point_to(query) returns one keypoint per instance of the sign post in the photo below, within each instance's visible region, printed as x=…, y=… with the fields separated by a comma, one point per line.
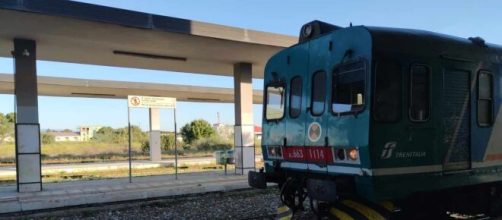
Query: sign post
x=135, y=101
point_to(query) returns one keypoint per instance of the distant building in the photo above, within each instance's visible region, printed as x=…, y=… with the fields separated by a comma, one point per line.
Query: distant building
x=228, y=130
x=60, y=136
x=225, y=131
x=88, y=132
x=257, y=132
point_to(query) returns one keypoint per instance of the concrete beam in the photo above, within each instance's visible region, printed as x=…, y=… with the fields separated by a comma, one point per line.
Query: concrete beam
x=244, y=126
x=29, y=178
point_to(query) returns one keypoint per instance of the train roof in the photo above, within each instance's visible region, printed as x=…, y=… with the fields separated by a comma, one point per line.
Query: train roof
x=441, y=43
x=402, y=40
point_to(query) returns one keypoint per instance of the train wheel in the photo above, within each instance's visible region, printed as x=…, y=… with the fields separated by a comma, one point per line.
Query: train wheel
x=293, y=194
x=320, y=209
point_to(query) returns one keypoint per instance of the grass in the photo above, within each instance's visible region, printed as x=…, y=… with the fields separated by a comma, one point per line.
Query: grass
x=88, y=152
x=121, y=173
x=83, y=152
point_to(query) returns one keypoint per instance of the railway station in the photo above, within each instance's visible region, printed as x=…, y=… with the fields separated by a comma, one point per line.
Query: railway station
x=390, y=118
x=82, y=33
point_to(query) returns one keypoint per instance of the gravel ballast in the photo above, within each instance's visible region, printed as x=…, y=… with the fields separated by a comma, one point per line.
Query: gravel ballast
x=244, y=204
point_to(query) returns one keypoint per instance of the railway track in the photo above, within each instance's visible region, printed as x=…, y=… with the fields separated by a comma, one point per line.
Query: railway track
x=249, y=204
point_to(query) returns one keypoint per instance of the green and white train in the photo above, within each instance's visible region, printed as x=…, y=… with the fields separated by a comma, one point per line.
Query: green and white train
x=384, y=123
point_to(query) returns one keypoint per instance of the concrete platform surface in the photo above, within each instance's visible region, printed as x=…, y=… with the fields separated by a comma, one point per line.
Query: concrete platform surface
x=57, y=195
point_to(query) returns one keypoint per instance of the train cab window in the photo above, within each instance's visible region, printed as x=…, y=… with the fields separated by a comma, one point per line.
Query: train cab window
x=348, y=87
x=295, y=97
x=419, y=109
x=387, y=98
x=485, y=98
x=318, y=93
x=275, y=102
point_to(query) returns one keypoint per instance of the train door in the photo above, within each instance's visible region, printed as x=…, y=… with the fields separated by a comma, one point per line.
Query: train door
x=318, y=110
x=295, y=126
x=275, y=107
x=455, y=115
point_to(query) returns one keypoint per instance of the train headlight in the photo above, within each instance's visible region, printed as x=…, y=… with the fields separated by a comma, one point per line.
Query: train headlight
x=353, y=153
x=274, y=152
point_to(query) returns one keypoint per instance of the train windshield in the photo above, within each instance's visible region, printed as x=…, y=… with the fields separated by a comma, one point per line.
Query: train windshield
x=275, y=102
x=348, y=87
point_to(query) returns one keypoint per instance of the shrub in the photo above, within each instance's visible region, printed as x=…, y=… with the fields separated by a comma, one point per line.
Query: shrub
x=212, y=143
x=48, y=138
x=196, y=130
x=145, y=147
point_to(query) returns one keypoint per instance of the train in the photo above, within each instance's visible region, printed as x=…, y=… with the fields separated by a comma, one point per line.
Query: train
x=384, y=123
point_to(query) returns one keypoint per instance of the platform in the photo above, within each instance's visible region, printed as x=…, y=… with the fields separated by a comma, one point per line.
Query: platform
x=67, y=194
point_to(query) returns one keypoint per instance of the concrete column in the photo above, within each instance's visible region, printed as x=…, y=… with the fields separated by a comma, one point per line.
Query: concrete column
x=29, y=178
x=244, y=126
x=155, y=152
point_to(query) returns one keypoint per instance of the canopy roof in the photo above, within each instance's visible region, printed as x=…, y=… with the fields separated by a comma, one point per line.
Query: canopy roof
x=76, y=32
x=71, y=87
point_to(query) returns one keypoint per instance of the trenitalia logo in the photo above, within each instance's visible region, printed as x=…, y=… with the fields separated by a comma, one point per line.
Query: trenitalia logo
x=388, y=149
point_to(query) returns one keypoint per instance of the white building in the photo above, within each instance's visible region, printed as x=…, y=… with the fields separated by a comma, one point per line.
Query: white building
x=88, y=132
x=60, y=136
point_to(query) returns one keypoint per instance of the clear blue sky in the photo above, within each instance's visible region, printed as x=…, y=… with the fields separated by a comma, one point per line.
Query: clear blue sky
x=460, y=18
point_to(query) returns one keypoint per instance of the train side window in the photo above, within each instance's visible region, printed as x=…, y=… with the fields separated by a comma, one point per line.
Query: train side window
x=295, y=97
x=349, y=82
x=388, y=92
x=318, y=93
x=419, y=108
x=485, y=99
x=275, y=102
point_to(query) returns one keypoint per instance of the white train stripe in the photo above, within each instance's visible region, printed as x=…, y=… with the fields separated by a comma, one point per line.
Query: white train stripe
x=362, y=171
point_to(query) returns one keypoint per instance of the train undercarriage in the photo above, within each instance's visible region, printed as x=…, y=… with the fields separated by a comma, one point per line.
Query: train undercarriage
x=336, y=198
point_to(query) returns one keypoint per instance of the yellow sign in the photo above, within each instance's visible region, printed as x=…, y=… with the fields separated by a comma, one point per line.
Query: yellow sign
x=136, y=101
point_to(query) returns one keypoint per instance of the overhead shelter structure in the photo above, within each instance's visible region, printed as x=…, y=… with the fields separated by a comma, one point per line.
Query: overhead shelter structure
x=109, y=89
x=68, y=31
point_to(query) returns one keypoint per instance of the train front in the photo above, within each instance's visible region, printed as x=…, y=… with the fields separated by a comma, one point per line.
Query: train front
x=316, y=116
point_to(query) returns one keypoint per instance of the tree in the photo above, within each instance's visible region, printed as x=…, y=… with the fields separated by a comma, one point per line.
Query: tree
x=167, y=141
x=105, y=135
x=195, y=130
x=120, y=135
x=6, y=125
x=11, y=117
x=48, y=138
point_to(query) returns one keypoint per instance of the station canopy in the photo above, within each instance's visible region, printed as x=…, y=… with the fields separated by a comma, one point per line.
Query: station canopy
x=67, y=31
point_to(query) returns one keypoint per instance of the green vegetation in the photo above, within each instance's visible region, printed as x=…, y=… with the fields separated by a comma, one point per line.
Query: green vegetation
x=48, y=138
x=196, y=130
x=111, y=144
x=7, y=126
x=120, y=135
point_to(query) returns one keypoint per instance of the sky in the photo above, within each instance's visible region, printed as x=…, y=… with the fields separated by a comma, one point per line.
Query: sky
x=460, y=18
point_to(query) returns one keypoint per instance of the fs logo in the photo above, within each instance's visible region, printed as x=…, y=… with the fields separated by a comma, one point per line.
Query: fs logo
x=388, y=149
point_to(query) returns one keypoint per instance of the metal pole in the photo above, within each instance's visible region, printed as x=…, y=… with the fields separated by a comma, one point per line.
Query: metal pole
x=175, y=147
x=129, y=129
